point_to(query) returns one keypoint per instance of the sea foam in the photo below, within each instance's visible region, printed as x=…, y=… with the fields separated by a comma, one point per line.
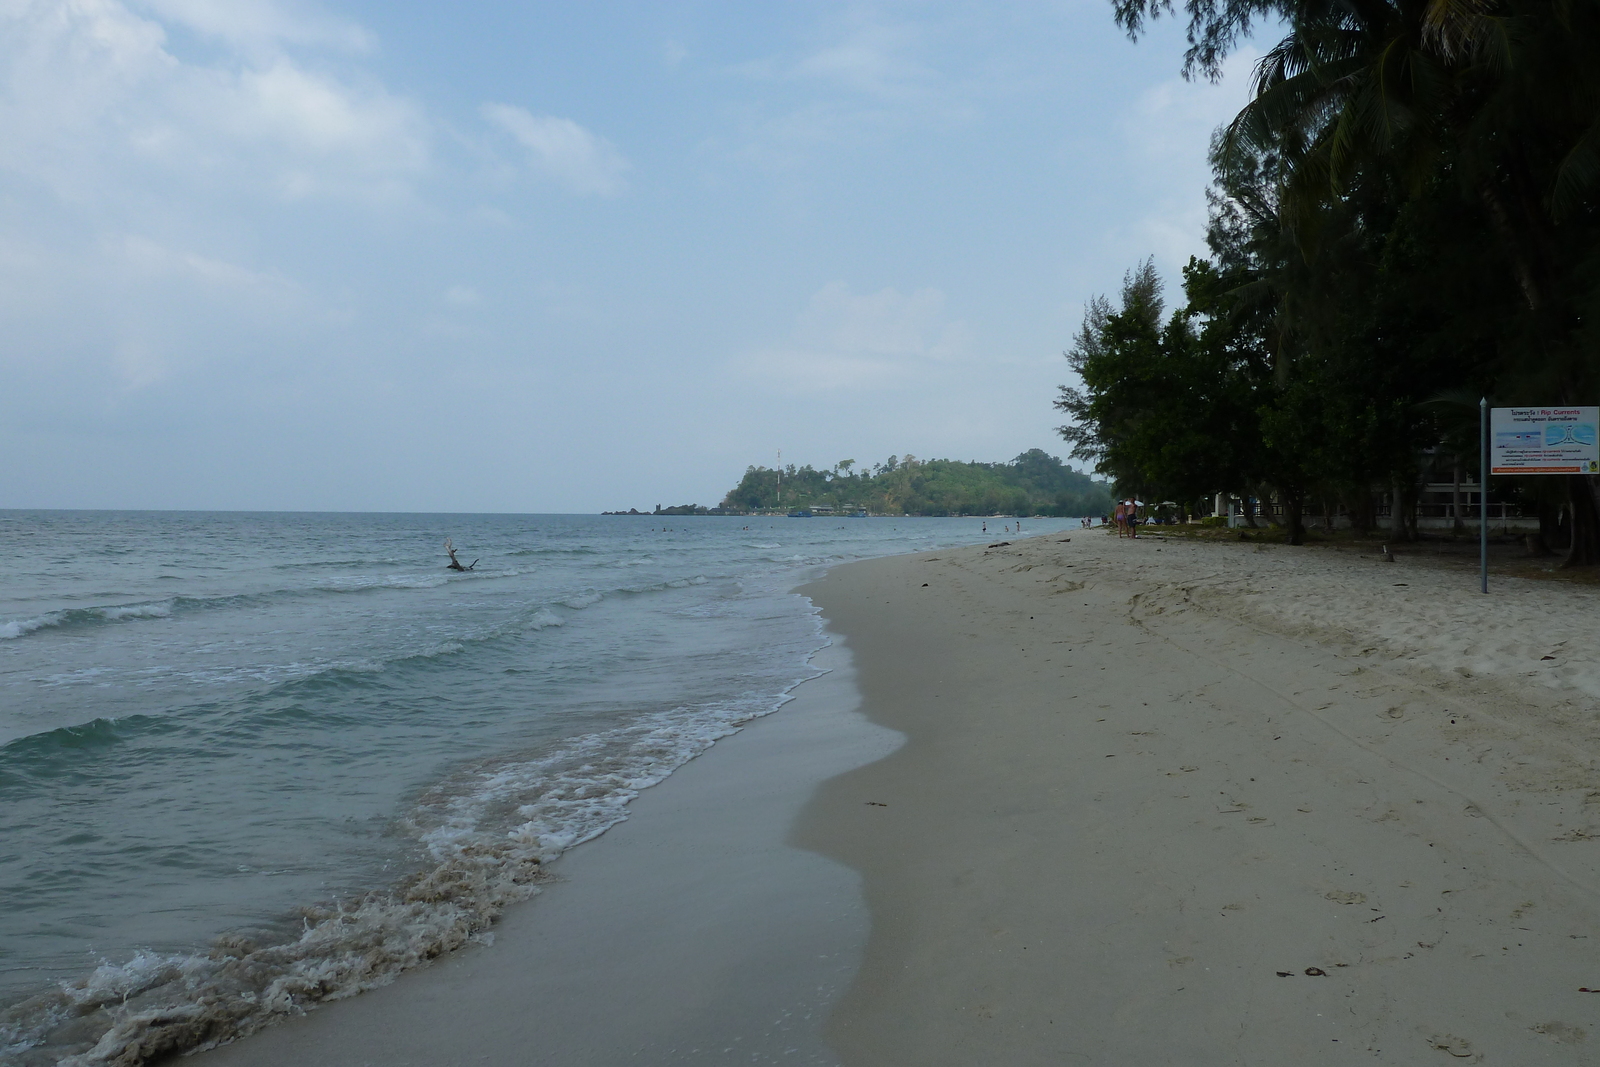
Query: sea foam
x=486, y=834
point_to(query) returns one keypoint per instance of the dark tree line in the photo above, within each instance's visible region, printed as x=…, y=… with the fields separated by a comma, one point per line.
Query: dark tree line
x=1406, y=216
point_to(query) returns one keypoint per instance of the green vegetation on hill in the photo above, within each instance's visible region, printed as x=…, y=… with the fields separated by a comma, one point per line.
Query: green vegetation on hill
x=1032, y=484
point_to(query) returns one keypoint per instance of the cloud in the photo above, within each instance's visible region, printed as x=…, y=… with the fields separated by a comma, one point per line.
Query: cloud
x=128, y=311
x=866, y=58
x=92, y=101
x=872, y=59
x=319, y=120
x=151, y=259
x=865, y=81
x=882, y=323
x=560, y=148
x=158, y=296
x=262, y=23
x=842, y=340
x=1172, y=122
x=1168, y=135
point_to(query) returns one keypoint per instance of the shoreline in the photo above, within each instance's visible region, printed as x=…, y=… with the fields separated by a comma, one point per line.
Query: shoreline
x=1156, y=802
x=709, y=659
x=691, y=932
x=1164, y=804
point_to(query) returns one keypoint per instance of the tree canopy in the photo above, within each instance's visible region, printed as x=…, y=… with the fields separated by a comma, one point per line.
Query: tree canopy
x=1405, y=216
x=1033, y=483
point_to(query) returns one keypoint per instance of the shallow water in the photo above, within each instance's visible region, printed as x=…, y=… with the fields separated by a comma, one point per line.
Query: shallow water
x=302, y=732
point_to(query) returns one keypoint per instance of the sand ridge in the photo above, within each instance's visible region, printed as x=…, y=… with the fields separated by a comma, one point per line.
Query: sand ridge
x=1208, y=804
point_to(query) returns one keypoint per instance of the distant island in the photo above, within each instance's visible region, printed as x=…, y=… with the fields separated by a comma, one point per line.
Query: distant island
x=1035, y=483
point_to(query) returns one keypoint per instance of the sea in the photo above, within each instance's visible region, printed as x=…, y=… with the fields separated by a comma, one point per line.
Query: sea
x=253, y=761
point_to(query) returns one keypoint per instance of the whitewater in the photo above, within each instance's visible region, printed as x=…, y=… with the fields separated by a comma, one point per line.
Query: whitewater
x=251, y=762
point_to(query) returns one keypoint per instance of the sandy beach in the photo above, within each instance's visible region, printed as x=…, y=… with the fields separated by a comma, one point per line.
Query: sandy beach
x=1217, y=804
x=1157, y=802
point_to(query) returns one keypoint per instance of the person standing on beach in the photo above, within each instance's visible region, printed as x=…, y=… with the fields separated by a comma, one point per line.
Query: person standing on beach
x=1133, y=518
x=1121, y=518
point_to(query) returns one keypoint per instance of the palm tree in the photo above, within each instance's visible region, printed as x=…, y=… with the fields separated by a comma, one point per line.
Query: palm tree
x=1488, y=110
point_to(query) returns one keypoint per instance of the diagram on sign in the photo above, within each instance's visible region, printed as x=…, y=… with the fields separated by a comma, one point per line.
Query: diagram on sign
x=1553, y=440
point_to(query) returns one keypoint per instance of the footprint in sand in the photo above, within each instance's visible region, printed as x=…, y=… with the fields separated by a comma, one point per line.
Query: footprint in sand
x=1459, y=1047
x=1339, y=896
x=1562, y=1032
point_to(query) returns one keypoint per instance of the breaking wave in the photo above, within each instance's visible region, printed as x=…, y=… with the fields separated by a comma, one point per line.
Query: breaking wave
x=481, y=839
x=163, y=609
x=80, y=616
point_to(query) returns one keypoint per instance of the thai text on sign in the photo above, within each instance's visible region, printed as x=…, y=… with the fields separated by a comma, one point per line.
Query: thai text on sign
x=1537, y=440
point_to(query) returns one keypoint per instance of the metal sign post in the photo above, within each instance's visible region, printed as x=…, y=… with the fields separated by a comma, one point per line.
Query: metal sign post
x=1483, y=494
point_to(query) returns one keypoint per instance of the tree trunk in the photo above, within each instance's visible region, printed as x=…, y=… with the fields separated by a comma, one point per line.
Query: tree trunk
x=1399, y=528
x=1456, y=525
x=1361, y=512
x=1292, y=501
x=1550, y=523
x=1500, y=220
x=1585, y=548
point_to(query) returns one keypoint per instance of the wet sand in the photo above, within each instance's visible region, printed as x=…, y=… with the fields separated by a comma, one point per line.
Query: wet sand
x=692, y=933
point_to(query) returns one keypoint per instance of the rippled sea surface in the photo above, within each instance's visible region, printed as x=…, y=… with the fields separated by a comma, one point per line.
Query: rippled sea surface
x=251, y=761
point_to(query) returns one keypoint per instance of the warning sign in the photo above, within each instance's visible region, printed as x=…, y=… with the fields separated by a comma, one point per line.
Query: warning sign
x=1544, y=440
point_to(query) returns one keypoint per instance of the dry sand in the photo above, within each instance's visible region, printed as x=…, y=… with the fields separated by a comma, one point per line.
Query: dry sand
x=1165, y=803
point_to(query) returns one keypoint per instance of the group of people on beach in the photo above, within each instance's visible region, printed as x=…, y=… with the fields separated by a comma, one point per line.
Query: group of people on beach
x=1127, y=518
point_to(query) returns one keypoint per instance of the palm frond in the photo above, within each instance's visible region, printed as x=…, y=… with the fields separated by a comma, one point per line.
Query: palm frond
x=1577, y=174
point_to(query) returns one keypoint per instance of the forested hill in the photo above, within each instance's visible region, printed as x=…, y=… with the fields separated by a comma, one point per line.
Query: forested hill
x=1032, y=484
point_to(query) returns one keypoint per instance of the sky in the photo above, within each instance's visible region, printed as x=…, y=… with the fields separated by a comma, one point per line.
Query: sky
x=560, y=257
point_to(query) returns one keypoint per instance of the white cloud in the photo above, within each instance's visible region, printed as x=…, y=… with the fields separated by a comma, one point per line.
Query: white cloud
x=883, y=323
x=868, y=80
x=128, y=310
x=844, y=340
x=562, y=149
x=156, y=294
x=319, y=119
x=91, y=99
x=1168, y=135
x=150, y=259
x=872, y=59
x=1173, y=121
x=262, y=23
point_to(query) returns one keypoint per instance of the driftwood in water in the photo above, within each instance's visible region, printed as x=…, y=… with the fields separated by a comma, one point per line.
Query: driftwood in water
x=455, y=564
